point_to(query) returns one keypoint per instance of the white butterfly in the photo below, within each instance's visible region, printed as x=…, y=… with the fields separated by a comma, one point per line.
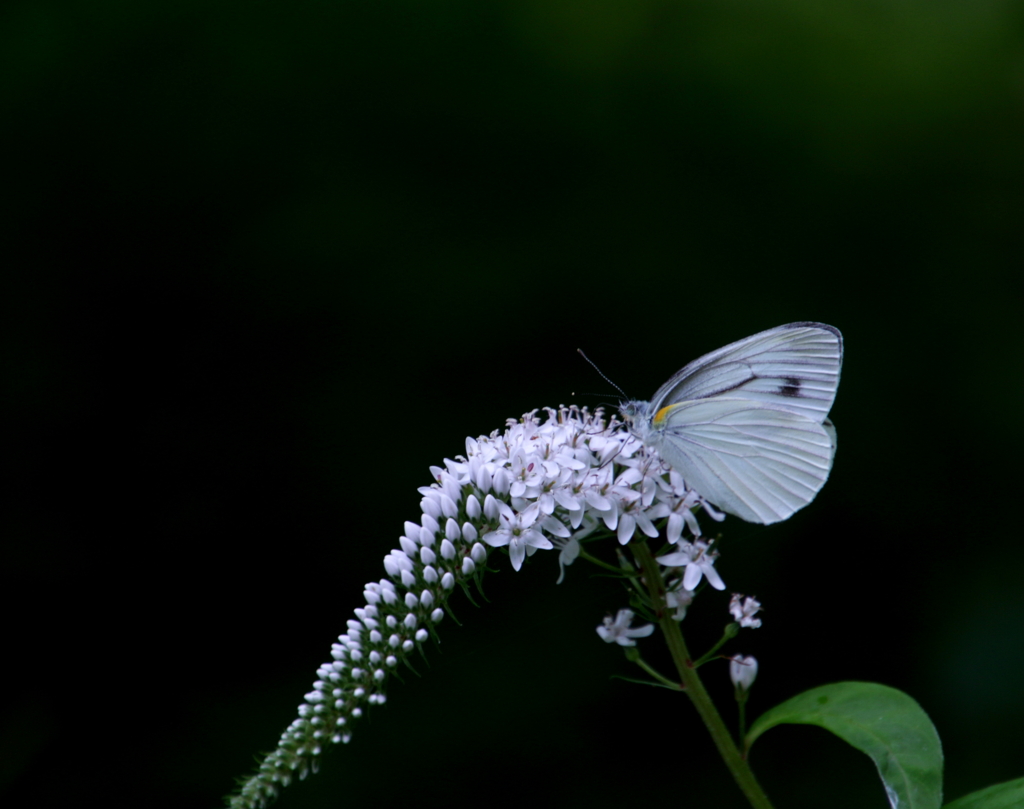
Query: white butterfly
x=746, y=425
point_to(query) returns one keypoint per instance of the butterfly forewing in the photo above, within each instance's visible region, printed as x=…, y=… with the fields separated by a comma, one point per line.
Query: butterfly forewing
x=793, y=367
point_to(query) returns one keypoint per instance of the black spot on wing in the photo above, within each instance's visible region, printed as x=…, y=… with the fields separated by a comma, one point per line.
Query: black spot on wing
x=790, y=387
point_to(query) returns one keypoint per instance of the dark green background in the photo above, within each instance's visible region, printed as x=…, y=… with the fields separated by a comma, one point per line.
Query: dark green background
x=267, y=262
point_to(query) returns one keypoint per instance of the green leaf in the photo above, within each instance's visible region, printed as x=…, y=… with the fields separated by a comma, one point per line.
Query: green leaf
x=1008, y=795
x=882, y=722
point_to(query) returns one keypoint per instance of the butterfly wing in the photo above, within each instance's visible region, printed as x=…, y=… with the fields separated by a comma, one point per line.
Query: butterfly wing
x=793, y=367
x=747, y=457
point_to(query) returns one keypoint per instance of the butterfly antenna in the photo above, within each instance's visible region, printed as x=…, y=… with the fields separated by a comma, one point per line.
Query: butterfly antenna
x=606, y=379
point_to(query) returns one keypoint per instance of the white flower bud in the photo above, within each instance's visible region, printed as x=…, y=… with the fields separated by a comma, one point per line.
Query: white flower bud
x=430, y=507
x=447, y=581
x=448, y=507
x=427, y=556
x=411, y=601
x=451, y=531
x=479, y=553
x=379, y=675
x=483, y=482
x=447, y=550
x=437, y=615
x=469, y=532
x=467, y=566
x=391, y=660
x=408, y=645
x=742, y=671
x=408, y=579
x=422, y=635
x=502, y=481
x=451, y=489
x=411, y=620
x=473, y=508
x=408, y=545
x=426, y=598
x=375, y=636
x=491, y=511
x=393, y=641
x=430, y=575
x=430, y=523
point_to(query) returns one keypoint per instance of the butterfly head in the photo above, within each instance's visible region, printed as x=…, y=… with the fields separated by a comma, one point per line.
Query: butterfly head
x=637, y=416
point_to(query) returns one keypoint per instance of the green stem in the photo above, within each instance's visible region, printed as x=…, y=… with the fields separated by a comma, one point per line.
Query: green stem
x=600, y=562
x=729, y=634
x=734, y=760
x=742, y=705
x=657, y=675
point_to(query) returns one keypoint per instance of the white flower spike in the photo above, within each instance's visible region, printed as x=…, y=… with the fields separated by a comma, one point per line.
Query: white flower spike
x=548, y=480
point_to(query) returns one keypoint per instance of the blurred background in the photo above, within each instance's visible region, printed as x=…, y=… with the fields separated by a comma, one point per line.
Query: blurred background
x=266, y=263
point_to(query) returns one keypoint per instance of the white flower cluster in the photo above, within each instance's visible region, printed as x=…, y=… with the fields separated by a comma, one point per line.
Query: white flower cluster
x=544, y=481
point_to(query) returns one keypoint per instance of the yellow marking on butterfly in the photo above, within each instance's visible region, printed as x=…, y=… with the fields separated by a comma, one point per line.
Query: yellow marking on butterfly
x=663, y=414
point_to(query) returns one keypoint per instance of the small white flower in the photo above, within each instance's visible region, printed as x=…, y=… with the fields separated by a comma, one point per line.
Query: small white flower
x=678, y=598
x=618, y=630
x=570, y=550
x=698, y=560
x=742, y=671
x=517, y=532
x=744, y=610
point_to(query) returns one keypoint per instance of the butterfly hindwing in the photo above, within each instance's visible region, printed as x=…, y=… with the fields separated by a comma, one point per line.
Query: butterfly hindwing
x=750, y=459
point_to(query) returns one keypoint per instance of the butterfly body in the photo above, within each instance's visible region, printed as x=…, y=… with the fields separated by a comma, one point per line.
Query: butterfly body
x=746, y=425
